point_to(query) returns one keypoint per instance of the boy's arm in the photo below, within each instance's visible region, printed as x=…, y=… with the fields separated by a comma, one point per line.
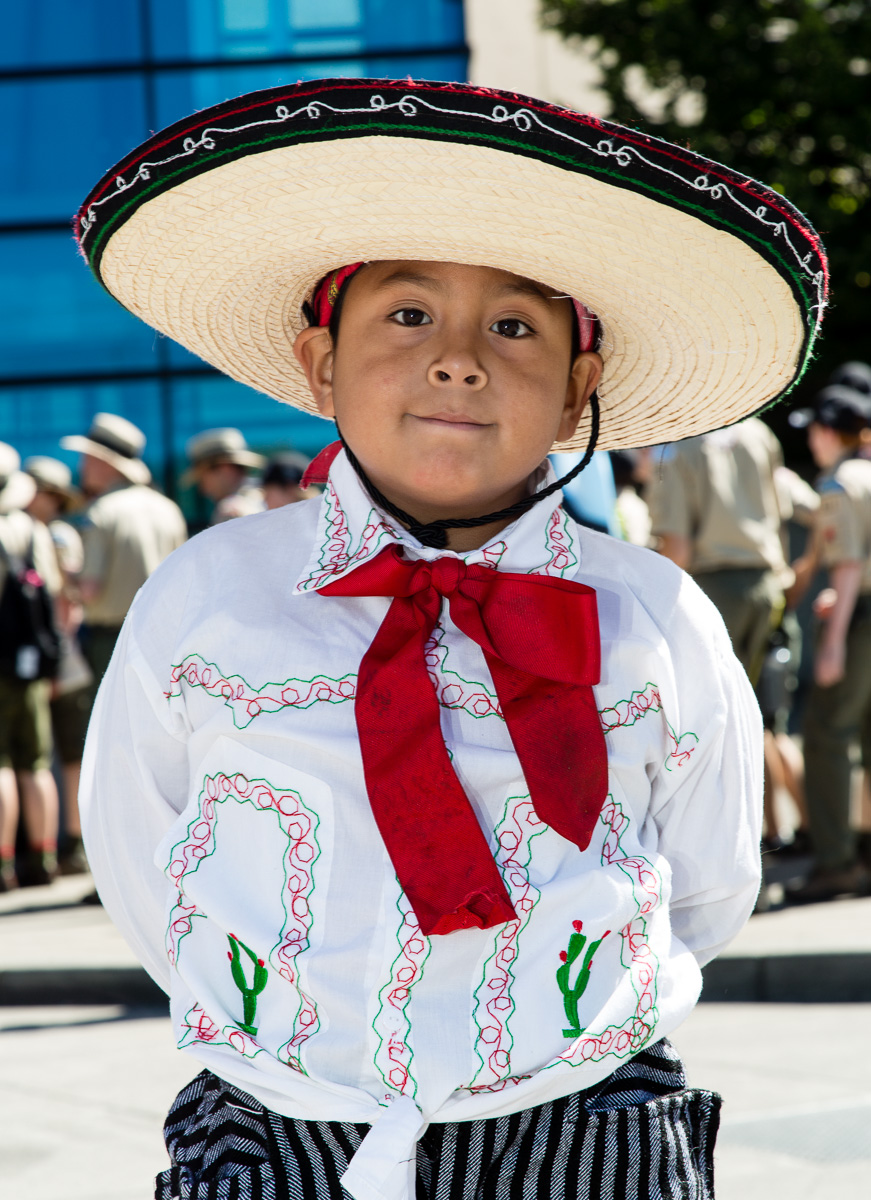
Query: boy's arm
x=134, y=785
x=842, y=551
x=845, y=579
x=707, y=797
x=676, y=547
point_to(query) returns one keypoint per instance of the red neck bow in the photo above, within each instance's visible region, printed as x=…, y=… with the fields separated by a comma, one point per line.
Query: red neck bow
x=540, y=638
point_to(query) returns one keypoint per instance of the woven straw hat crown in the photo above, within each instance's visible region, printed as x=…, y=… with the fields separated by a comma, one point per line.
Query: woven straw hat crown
x=221, y=445
x=709, y=286
x=116, y=441
x=50, y=474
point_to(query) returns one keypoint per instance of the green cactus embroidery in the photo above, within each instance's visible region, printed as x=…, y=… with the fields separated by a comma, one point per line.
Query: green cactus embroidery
x=572, y=995
x=249, y=994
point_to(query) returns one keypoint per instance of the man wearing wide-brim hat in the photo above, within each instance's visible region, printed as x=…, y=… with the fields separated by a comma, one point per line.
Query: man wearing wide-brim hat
x=25, y=723
x=127, y=531
x=219, y=464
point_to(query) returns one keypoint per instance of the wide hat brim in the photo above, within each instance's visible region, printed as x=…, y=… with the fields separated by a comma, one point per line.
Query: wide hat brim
x=17, y=492
x=133, y=469
x=709, y=287
x=237, y=458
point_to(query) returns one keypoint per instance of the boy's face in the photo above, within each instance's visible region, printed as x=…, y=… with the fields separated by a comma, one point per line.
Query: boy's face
x=449, y=382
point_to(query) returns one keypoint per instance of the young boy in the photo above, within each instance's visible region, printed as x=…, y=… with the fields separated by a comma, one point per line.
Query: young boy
x=424, y=804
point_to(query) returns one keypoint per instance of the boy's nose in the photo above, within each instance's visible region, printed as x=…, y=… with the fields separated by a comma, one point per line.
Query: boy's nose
x=461, y=369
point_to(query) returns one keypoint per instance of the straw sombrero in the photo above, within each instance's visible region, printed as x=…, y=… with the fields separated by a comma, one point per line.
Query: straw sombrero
x=709, y=286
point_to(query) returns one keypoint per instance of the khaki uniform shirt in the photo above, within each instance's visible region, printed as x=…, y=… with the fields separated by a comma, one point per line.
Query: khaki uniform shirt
x=16, y=531
x=243, y=503
x=68, y=547
x=719, y=491
x=843, y=524
x=127, y=533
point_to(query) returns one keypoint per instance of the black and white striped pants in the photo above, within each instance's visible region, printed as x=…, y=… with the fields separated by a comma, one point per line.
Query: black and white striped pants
x=640, y=1134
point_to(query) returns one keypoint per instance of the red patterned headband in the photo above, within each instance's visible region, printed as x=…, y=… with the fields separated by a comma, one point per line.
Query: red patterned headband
x=327, y=293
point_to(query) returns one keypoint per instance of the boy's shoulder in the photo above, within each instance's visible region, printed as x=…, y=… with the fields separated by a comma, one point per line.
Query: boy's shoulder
x=243, y=553
x=627, y=563
x=638, y=581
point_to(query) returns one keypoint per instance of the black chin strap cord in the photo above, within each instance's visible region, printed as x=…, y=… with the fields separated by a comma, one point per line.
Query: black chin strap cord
x=434, y=533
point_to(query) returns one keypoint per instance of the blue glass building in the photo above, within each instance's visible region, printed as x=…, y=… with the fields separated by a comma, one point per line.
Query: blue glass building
x=82, y=83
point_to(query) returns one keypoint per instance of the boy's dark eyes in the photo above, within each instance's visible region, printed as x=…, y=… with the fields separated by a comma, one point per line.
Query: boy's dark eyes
x=411, y=316
x=511, y=327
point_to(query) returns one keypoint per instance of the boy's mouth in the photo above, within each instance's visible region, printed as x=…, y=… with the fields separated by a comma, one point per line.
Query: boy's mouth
x=453, y=420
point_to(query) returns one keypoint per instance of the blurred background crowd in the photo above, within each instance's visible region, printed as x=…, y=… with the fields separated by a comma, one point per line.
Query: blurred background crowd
x=116, y=444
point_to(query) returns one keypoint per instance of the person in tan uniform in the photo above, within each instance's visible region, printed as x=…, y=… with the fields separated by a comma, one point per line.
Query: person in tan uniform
x=26, y=781
x=840, y=699
x=282, y=479
x=128, y=529
x=715, y=511
x=220, y=461
x=70, y=691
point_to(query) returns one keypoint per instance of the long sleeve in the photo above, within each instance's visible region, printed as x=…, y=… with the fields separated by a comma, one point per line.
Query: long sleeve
x=134, y=784
x=707, y=800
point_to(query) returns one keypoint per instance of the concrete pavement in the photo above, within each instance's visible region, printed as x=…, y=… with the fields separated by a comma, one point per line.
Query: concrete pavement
x=88, y=1066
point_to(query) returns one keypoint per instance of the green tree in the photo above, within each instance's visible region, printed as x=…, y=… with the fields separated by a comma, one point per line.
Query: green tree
x=777, y=89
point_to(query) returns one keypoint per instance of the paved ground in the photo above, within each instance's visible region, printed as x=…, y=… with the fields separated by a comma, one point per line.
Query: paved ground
x=83, y=1089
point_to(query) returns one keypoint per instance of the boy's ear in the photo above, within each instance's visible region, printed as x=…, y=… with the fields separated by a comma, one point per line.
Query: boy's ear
x=583, y=380
x=313, y=350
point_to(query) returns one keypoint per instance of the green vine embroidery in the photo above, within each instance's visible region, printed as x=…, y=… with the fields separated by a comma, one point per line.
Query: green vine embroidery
x=249, y=994
x=572, y=995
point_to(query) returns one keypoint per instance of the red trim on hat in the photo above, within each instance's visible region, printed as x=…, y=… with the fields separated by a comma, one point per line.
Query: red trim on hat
x=525, y=102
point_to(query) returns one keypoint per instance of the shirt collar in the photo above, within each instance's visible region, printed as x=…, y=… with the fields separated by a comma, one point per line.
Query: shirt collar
x=351, y=529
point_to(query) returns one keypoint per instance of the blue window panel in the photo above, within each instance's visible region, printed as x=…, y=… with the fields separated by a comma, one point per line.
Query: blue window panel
x=178, y=94
x=69, y=32
x=418, y=24
x=210, y=402
x=56, y=319
x=440, y=67
x=34, y=419
x=176, y=357
x=60, y=136
x=208, y=29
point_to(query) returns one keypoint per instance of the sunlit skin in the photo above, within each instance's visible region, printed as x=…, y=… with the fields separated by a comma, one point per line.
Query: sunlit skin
x=45, y=506
x=277, y=495
x=827, y=446
x=450, y=383
x=97, y=476
x=217, y=481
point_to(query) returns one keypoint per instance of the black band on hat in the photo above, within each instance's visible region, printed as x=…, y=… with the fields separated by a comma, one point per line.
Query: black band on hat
x=546, y=193
x=101, y=438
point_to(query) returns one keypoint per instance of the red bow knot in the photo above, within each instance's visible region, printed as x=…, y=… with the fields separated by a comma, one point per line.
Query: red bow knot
x=540, y=639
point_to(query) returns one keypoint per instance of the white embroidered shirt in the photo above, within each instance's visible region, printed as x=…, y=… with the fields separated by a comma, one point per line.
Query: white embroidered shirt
x=229, y=830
